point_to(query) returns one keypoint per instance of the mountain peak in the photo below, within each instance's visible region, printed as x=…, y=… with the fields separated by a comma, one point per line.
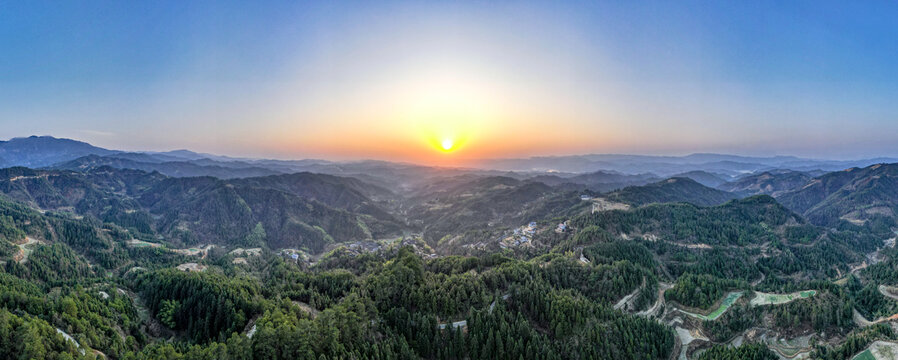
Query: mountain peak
x=42, y=151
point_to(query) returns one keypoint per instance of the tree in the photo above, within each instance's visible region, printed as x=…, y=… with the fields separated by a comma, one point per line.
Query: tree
x=167, y=313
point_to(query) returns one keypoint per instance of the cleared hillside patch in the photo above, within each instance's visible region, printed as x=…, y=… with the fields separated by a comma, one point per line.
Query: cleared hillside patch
x=777, y=299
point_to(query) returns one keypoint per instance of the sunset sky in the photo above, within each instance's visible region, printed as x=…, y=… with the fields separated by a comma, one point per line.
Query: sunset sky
x=397, y=80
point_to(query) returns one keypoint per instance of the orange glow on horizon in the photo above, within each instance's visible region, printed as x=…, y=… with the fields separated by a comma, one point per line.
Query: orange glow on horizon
x=510, y=142
x=442, y=116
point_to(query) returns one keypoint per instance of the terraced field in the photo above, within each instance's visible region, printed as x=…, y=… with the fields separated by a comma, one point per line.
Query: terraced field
x=797, y=348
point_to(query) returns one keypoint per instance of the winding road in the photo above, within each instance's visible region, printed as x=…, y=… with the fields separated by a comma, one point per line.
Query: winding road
x=25, y=250
x=653, y=311
x=627, y=299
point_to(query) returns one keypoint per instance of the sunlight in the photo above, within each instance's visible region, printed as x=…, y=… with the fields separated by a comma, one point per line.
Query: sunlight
x=447, y=144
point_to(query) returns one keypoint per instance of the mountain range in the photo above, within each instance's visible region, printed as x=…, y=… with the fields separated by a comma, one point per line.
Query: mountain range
x=186, y=248
x=321, y=202
x=617, y=170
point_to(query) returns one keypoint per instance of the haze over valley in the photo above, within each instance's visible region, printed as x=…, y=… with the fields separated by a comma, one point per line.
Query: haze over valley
x=511, y=180
x=658, y=241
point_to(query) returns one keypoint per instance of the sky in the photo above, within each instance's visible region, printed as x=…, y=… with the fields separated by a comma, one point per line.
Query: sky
x=401, y=80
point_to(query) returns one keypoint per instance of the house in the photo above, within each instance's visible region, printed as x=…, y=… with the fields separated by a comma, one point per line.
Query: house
x=561, y=227
x=585, y=197
x=533, y=224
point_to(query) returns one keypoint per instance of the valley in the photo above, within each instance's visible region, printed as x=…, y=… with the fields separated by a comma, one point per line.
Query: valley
x=448, y=180
x=441, y=263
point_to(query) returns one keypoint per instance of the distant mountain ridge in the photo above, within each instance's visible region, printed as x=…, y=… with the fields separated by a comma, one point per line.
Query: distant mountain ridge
x=178, y=168
x=41, y=151
x=772, y=183
x=855, y=195
x=705, y=178
x=665, y=166
x=191, y=199
x=677, y=189
x=599, y=181
x=597, y=172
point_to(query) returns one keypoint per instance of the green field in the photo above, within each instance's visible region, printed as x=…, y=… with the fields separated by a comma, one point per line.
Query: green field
x=141, y=243
x=727, y=302
x=878, y=350
x=866, y=355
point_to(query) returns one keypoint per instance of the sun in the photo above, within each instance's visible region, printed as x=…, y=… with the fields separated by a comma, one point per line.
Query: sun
x=447, y=144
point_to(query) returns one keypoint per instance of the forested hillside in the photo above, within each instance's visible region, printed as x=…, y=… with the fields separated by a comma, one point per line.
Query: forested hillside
x=678, y=189
x=464, y=204
x=856, y=195
x=206, y=210
x=107, y=263
x=773, y=183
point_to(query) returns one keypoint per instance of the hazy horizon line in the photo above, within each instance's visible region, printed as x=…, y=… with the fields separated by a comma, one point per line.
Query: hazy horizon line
x=463, y=162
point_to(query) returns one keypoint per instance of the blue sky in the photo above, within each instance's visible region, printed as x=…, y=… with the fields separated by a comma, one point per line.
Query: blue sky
x=365, y=79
